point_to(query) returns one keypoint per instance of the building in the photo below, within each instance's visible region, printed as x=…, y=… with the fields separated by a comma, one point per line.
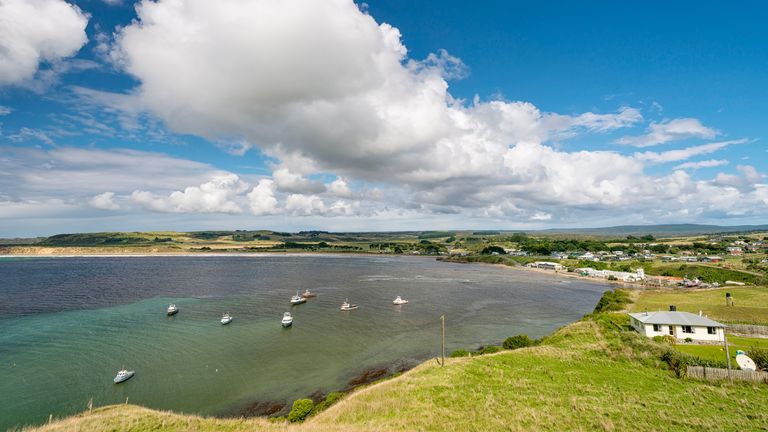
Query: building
x=735, y=251
x=618, y=275
x=547, y=265
x=680, y=325
x=711, y=259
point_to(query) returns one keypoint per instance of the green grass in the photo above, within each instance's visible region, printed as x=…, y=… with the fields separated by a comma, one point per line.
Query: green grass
x=750, y=303
x=590, y=375
x=717, y=352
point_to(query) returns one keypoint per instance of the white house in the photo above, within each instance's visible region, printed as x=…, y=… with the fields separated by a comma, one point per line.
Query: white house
x=681, y=325
x=622, y=276
x=546, y=265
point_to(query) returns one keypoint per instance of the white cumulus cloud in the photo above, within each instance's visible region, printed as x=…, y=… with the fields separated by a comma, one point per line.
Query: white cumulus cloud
x=214, y=196
x=262, y=198
x=104, y=201
x=35, y=31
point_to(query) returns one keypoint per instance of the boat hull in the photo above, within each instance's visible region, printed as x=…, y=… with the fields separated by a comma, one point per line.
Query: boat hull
x=171, y=313
x=287, y=324
x=119, y=380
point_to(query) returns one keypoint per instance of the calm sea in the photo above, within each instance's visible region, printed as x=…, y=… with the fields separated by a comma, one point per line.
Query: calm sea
x=68, y=324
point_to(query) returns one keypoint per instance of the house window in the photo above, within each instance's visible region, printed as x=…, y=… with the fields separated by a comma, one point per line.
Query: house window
x=687, y=329
x=671, y=330
x=656, y=327
x=711, y=330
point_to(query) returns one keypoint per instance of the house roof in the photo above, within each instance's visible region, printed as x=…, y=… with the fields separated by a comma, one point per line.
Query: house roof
x=675, y=318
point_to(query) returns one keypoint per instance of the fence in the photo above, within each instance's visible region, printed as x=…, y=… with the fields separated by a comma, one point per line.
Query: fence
x=717, y=374
x=748, y=330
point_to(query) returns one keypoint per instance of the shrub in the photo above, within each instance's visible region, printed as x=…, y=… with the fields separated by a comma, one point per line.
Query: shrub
x=489, y=350
x=460, y=353
x=666, y=339
x=612, y=301
x=760, y=356
x=678, y=362
x=515, y=342
x=688, y=340
x=331, y=399
x=300, y=410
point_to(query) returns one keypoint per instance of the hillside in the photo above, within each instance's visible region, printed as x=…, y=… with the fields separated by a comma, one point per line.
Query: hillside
x=590, y=375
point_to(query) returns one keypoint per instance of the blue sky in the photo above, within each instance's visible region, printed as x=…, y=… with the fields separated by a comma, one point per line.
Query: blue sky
x=380, y=116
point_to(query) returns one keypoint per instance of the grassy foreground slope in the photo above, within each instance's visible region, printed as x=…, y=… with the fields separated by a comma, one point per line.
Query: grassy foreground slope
x=590, y=375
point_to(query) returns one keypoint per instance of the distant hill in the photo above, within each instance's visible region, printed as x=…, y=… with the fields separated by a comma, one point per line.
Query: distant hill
x=658, y=230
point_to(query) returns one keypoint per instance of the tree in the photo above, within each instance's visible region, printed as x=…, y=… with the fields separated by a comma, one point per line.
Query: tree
x=488, y=250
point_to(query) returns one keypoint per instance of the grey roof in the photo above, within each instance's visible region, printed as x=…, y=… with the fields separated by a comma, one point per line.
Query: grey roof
x=675, y=318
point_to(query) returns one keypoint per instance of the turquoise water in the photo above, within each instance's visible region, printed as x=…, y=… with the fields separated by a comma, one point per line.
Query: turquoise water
x=68, y=324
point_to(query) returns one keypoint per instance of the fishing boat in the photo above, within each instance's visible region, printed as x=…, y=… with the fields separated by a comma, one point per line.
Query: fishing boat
x=399, y=301
x=308, y=294
x=297, y=299
x=123, y=375
x=287, y=319
x=346, y=306
x=172, y=309
x=226, y=319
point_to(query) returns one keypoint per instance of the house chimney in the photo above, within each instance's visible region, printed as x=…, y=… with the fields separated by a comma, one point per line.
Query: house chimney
x=672, y=308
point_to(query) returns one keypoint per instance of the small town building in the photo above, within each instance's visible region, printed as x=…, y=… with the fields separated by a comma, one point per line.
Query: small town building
x=547, y=265
x=680, y=325
x=711, y=259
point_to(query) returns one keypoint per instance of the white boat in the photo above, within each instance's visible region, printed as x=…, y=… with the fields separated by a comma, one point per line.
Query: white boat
x=746, y=363
x=297, y=299
x=226, y=319
x=287, y=319
x=399, y=301
x=123, y=375
x=308, y=294
x=172, y=309
x=346, y=306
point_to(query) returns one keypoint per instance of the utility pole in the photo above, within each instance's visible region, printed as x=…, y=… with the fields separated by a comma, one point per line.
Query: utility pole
x=728, y=357
x=442, y=322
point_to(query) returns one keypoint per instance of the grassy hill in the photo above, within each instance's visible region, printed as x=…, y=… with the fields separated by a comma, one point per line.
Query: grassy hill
x=590, y=375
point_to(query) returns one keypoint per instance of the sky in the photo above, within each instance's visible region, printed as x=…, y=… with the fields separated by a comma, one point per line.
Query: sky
x=121, y=115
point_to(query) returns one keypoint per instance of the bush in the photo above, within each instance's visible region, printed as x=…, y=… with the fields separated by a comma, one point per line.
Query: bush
x=666, y=339
x=678, y=362
x=300, y=410
x=489, y=350
x=460, y=353
x=760, y=356
x=519, y=341
x=331, y=399
x=612, y=301
x=688, y=340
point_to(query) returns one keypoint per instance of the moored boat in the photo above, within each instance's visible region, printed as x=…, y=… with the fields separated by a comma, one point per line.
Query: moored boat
x=297, y=299
x=226, y=319
x=172, y=309
x=123, y=375
x=399, y=301
x=308, y=294
x=287, y=319
x=346, y=306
